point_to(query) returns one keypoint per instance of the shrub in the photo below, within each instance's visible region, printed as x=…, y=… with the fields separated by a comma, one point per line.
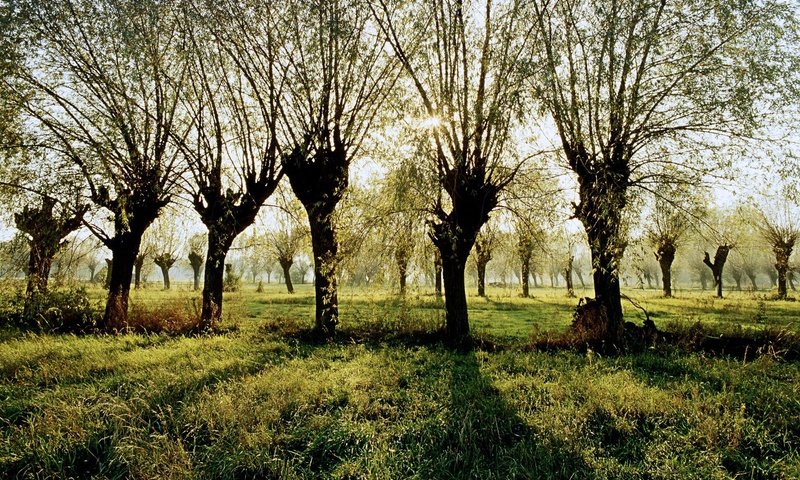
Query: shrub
x=174, y=317
x=231, y=283
x=68, y=311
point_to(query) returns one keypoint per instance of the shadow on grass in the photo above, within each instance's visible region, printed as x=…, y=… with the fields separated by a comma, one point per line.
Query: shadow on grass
x=482, y=436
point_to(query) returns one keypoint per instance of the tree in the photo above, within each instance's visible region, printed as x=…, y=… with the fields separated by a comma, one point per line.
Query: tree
x=626, y=82
x=781, y=234
x=140, y=266
x=485, y=244
x=46, y=231
x=105, y=77
x=286, y=244
x=718, y=265
x=340, y=76
x=289, y=238
x=234, y=156
x=673, y=211
x=525, y=246
x=461, y=58
x=197, y=245
x=401, y=202
x=166, y=238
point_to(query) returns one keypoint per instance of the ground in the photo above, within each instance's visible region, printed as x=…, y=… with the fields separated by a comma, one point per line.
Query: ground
x=259, y=401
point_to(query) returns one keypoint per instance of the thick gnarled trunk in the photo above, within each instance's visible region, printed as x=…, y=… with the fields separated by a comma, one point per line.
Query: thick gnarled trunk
x=39, y=263
x=214, y=277
x=123, y=258
x=457, y=318
x=454, y=235
x=602, y=200
x=607, y=291
x=325, y=248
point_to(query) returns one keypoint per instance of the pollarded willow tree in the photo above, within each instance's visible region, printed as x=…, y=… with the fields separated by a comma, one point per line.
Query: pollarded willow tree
x=104, y=78
x=47, y=230
x=781, y=235
x=485, y=243
x=462, y=58
x=196, y=257
x=627, y=81
x=289, y=239
x=339, y=76
x=167, y=239
x=234, y=103
x=674, y=211
x=401, y=205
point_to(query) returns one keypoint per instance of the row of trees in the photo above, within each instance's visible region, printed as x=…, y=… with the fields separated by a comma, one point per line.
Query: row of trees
x=139, y=104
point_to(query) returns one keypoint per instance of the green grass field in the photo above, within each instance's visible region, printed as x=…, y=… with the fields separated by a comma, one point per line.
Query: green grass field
x=257, y=402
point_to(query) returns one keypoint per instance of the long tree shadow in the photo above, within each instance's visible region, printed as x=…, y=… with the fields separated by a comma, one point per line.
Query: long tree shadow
x=483, y=436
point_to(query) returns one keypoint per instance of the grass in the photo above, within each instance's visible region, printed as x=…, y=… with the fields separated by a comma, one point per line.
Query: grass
x=257, y=402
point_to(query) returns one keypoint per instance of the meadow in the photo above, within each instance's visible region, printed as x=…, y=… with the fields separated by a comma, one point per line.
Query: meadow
x=387, y=400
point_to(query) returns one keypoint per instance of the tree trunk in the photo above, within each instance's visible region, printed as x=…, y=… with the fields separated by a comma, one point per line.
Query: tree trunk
x=481, y=266
x=526, y=272
x=568, y=277
x=716, y=268
x=605, y=258
x=39, y=262
x=773, y=277
x=287, y=277
x=123, y=258
x=326, y=248
x=196, y=261
x=402, y=277
x=437, y=273
x=109, y=267
x=579, y=273
x=752, y=277
x=665, y=256
x=92, y=269
x=456, y=317
x=46, y=231
x=214, y=277
x=401, y=257
x=165, y=275
x=783, y=252
x=137, y=271
x=196, y=278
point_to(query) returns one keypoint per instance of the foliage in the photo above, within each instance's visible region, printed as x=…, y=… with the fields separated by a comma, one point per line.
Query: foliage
x=65, y=311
